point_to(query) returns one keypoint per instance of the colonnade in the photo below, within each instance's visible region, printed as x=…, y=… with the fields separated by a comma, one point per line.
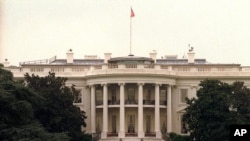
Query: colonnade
x=121, y=132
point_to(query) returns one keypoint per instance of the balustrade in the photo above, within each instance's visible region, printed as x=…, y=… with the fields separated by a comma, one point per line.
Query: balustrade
x=113, y=102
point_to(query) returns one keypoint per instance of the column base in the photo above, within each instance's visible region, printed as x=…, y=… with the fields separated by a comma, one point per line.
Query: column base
x=158, y=134
x=121, y=134
x=141, y=134
x=104, y=134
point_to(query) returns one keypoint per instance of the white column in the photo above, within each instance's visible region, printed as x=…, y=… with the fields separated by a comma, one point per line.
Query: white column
x=122, y=112
x=92, y=108
x=140, y=111
x=105, y=111
x=157, y=111
x=169, y=110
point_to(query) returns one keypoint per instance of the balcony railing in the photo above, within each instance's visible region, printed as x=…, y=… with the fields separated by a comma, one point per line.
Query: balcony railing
x=150, y=134
x=131, y=102
x=112, y=134
x=148, y=102
x=163, y=102
x=113, y=102
x=73, y=71
x=99, y=102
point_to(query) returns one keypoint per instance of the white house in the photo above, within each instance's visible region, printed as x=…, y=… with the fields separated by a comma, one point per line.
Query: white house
x=132, y=97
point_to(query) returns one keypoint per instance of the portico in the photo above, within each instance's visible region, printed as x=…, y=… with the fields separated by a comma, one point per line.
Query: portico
x=130, y=109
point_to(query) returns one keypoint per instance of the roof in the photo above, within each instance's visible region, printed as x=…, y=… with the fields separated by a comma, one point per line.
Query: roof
x=130, y=58
x=180, y=61
x=79, y=61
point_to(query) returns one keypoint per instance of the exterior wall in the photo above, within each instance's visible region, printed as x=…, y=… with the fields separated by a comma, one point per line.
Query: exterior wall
x=175, y=76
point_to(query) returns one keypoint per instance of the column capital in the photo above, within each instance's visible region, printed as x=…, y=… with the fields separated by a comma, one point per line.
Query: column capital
x=171, y=85
x=104, y=84
x=121, y=83
x=90, y=85
x=157, y=84
x=140, y=83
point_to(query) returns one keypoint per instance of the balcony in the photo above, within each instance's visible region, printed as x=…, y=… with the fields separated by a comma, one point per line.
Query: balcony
x=132, y=102
x=99, y=102
x=115, y=134
x=113, y=102
x=148, y=102
x=163, y=102
x=150, y=134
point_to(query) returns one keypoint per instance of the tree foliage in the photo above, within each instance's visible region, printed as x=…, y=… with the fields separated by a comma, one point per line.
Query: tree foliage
x=41, y=109
x=217, y=106
x=17, y=107
x=57, y=113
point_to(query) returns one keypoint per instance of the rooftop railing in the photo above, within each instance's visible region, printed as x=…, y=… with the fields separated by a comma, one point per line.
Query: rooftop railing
x=66, y=71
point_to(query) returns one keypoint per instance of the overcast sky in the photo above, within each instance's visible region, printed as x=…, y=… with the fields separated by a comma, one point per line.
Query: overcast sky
x=219, y=30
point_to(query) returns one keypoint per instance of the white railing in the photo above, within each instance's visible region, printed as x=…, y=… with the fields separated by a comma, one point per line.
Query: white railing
x=69, y=71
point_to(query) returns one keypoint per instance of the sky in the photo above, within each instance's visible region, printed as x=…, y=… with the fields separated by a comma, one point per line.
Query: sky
x=219, y=30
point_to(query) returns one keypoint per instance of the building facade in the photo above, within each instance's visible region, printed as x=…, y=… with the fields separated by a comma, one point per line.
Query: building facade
x=134, y=98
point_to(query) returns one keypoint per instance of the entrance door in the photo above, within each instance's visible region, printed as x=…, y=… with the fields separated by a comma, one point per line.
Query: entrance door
x=113, y=124
x=131, y=124
x=147, y=124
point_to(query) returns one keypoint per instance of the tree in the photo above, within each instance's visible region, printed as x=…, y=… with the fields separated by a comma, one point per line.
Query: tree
x=17, y=106
x=217, y=106
x=206, y=116
x=240, y=105
x=57, y=113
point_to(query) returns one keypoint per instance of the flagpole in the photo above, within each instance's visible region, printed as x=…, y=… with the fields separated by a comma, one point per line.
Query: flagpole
x=130, y=53
x=130, y=36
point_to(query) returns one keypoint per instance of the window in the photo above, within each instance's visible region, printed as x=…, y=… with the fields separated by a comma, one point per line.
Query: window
x=183, y=126
x=163, y=99
x=148, y=97
x=77, y=96
x=113, y=93
x=183, y=95
x=99, y=100
x=131, y=96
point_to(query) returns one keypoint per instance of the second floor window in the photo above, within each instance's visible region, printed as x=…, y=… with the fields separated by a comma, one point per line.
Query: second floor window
x=183, y=95
x=99, y=97
x=131, y=94
x=113, y=93
x=77, y=96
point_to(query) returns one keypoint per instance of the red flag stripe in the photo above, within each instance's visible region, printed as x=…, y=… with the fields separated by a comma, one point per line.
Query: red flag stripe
x=132, y=14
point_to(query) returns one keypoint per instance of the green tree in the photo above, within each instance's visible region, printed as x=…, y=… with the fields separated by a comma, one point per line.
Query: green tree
x=175, y=137
x=57, y=113
x=207, y=115
x=240, y=105
x=17, y=107
x=217, y=106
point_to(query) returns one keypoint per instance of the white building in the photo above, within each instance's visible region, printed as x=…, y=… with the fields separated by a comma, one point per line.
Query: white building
x=134, y=98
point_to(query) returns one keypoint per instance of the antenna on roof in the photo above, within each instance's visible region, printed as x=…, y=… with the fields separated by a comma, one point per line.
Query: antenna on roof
x=190, y=48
